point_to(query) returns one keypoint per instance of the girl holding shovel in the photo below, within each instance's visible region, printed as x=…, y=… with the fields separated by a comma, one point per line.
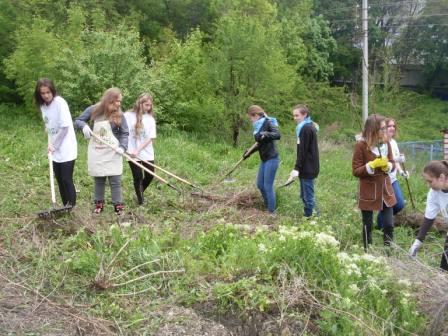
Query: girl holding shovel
x=109, y=126
x=265, y=130
x=371, y=163
x=435, y=174
x=62, y=145
x=142, y=132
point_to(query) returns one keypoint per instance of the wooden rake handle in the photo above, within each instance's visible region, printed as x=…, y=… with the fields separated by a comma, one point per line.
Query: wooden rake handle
x=127, y=156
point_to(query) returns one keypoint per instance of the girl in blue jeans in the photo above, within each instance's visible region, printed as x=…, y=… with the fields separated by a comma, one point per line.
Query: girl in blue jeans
x=265, y=130
x=392, y=132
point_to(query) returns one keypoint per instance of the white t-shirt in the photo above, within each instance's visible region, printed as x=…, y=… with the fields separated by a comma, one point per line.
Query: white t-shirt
x=56, y=116
x=395, y=155
x=436, y=201
x=148, y=131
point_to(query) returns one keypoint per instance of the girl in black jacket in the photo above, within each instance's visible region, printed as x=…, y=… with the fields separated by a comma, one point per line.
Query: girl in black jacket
x=307, y=163
x=265, y=132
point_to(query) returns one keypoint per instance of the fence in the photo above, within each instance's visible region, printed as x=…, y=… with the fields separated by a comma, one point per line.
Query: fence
x=418, y=153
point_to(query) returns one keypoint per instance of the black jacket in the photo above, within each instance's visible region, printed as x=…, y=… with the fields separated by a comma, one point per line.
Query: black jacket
x=265, y=139
x=307, y=162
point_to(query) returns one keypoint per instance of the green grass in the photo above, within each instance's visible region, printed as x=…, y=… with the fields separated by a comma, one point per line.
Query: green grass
x=184, y=251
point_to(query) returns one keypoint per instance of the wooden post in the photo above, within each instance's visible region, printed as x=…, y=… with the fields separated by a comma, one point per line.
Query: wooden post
x=445, y=143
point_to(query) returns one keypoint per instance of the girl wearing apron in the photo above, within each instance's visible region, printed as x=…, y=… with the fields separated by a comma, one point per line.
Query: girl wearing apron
x=104, y=162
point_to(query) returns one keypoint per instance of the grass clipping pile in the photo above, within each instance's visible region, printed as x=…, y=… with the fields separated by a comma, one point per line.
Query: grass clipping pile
x=431, y=295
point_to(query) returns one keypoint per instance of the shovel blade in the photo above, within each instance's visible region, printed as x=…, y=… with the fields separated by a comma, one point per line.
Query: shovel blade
x=229, y=180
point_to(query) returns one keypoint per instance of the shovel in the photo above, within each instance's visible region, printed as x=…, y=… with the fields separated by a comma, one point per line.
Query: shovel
x=226, y=177
x=45, y=214
x=127, y=156
x=409, y=188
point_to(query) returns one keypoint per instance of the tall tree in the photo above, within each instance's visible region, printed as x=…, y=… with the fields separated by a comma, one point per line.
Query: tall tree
x=249, y=66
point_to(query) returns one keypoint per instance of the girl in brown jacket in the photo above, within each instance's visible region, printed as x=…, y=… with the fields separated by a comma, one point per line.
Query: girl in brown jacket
x=372, y=161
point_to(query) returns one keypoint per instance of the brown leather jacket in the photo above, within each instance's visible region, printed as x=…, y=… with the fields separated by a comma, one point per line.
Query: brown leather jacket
x=373, y=189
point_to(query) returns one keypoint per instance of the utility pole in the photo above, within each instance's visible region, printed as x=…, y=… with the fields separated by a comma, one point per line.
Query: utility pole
x=365, y=61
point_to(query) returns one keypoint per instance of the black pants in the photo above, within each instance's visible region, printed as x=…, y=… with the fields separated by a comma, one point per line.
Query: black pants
x=63, y=171
x=141, y=178
x=444, y=261
x=388, y=226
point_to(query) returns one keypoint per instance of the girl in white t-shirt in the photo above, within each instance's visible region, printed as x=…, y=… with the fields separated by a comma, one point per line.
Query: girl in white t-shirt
x=392, y=133
x=436, y=175
x=142, y=132
x=61, y=137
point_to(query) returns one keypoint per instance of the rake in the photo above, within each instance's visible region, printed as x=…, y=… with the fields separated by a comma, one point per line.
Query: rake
x=226, y=177
x=128, y=157
x=54, y=210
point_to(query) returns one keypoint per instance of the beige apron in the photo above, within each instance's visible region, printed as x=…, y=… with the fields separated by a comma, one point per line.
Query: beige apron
x=101, y=159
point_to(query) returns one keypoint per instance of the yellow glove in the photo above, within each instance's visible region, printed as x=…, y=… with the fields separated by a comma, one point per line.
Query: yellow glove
x=378, y=163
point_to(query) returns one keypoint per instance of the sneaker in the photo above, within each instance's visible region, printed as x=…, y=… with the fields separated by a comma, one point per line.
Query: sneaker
x=99, y=205
x=119, y=208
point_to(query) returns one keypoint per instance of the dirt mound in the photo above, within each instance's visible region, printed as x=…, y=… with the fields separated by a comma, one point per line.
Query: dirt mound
x=179, y=321
x=431, y=294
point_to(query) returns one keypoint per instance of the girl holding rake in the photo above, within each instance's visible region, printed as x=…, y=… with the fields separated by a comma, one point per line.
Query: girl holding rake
x=142, y=132
x=265, y=130
x=110, y=126
x=62, y=145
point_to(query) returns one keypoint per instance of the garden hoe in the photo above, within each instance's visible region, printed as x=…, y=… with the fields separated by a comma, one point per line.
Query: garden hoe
x=227, y=177
x=46, y=214
x=127, y=156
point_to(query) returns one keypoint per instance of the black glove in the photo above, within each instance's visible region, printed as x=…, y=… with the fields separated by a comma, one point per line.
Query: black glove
x=246, y=154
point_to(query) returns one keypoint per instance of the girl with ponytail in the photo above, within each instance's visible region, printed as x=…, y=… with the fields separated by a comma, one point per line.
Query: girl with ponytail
x=435, y=174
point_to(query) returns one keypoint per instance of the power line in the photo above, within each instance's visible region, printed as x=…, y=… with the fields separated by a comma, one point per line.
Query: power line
x=392, y=17
x=356, y=6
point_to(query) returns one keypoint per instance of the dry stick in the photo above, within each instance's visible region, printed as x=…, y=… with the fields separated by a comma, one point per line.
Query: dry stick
x=47, y=296
x=133, y=268
x=127, y=156
x=118, y=253
x=137, y=293
x=146, y=276
x=56, y=305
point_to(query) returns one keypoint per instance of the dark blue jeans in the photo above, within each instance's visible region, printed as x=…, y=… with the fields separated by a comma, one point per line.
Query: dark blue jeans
x=307, y=196
x=397, y=207
x=265, y=182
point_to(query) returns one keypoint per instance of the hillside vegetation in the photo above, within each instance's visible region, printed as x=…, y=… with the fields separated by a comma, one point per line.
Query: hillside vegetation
x=185, y=263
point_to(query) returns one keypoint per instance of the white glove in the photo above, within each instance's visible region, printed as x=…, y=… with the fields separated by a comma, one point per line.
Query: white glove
x=416, y=246
x=120, y=150
x=405, y=174
x=86, y=131
x=400, y=159
x=293, y=174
